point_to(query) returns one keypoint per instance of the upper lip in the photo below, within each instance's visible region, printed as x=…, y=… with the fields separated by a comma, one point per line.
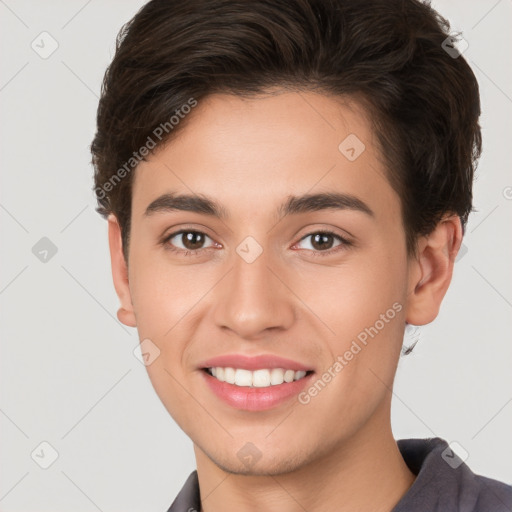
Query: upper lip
x=253, y=362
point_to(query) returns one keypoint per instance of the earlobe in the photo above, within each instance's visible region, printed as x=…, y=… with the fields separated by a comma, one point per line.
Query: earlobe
x=430, y=273
x=125, y=314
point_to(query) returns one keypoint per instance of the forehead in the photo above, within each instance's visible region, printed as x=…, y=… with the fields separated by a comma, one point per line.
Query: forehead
x=250, y=152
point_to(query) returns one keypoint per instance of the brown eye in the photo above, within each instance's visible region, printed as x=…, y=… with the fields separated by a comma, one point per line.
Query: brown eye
x=324, y=242
x=192, y=240
x=187, y=240
x=321, y=241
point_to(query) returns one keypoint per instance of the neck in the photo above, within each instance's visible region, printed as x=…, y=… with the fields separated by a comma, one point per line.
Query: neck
x=365, y=472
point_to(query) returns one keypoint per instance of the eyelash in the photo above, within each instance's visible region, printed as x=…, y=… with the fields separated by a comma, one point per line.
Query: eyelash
x=191, y=253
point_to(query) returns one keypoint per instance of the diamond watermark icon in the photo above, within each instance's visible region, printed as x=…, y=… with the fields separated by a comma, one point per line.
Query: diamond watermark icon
x=249, y=454
x=44, y=455
x=44, y=250
x=44, y=45
x=249, y=249
x=351, y=147
x=453, y=47
x=454, y=455
x=146, y=352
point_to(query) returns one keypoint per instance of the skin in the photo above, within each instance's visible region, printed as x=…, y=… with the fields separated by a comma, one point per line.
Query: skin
x=250, y=155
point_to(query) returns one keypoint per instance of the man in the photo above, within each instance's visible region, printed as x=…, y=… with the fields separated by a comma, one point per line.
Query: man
x=286, y=185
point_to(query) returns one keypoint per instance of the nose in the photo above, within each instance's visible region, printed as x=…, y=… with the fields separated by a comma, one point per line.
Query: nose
x=255, y=297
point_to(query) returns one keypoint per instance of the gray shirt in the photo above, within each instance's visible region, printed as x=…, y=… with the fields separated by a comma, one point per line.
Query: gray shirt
x=444, y=483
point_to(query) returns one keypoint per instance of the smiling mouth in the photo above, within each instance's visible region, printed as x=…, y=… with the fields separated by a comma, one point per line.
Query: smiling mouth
x=262, y=378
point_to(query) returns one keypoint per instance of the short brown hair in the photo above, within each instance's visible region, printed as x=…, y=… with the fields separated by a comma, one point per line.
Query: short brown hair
x=391, y=54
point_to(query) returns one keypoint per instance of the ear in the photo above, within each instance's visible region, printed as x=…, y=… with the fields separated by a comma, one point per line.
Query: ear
x=430, y=273
x=125, y=314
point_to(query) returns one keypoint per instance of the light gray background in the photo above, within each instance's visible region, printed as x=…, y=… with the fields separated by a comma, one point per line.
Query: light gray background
x=69, y=376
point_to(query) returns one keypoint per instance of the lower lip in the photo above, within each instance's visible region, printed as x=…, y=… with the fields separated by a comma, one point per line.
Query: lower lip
x=252, y=398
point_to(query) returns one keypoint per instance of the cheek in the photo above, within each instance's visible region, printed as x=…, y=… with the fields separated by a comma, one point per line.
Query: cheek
x=169, y=301
x=163, y=297
x=354, y=296
x=169, y=384
x=162, y=294
x=364, y=307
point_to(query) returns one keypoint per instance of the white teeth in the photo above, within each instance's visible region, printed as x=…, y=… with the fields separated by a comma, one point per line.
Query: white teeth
x=229, y=375
x=289, y=375
x=276, y=376
x=243, y=377
x=259, y=378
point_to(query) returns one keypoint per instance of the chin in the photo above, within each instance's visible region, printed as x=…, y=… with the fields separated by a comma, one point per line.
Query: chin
x=264, y=466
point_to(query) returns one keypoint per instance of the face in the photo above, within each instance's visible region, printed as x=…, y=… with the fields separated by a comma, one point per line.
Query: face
x=271, y=279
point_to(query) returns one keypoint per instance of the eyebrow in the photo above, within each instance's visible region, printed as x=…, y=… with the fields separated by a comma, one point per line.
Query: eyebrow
x=199, y=203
